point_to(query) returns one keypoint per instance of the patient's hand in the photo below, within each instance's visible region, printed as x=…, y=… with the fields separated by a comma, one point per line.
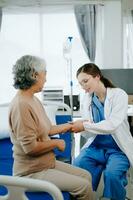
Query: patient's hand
x=77, y=126
x=61, y=145
x=69, y=126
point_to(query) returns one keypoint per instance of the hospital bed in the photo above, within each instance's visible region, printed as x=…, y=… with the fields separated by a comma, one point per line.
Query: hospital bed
x=58, y=113
x=17, y=187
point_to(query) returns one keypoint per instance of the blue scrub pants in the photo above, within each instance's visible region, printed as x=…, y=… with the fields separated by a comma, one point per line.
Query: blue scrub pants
x=114, y=165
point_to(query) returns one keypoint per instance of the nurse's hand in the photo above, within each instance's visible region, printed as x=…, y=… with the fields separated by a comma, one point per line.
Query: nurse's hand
x=77, y=126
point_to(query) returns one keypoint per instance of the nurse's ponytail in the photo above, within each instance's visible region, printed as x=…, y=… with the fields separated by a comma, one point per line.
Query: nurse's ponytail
x=107, y=82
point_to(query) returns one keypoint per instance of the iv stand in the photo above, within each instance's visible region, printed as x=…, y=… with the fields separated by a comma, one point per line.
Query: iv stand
x=66, y=52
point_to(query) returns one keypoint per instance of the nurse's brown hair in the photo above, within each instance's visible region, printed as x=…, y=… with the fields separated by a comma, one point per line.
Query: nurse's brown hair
x=92, y=69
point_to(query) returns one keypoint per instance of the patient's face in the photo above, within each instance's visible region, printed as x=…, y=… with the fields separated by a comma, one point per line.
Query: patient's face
x=41, y=80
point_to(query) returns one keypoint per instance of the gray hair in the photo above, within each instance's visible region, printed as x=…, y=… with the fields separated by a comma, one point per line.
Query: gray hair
x=25, y=71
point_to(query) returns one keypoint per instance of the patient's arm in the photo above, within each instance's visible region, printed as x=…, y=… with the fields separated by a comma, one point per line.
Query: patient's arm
x=46, y=146
x=62, y=128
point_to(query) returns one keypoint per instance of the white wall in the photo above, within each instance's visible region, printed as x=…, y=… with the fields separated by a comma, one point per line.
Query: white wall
x=113, y=42
x=127, y=6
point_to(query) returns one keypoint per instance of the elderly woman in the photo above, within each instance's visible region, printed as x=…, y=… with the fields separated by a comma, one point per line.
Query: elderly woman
x=31, y=130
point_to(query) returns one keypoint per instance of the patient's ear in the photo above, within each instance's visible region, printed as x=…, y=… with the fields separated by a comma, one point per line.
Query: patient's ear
x=34, y=75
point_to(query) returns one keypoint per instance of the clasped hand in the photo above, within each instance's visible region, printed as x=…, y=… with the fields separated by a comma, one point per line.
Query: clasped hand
x=77, y=126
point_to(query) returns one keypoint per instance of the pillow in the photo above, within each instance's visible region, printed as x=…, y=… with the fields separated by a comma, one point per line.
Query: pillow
x=51, y=112
x=4, y=126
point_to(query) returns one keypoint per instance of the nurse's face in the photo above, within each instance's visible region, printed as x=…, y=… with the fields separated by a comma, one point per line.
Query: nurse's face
x=88, y=82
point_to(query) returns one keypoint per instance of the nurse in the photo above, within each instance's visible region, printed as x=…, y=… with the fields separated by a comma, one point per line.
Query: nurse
x=104, y=123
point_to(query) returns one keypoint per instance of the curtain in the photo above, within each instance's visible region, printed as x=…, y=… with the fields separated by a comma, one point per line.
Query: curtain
x=86, y=21
x=0, y=17
x=128, y=39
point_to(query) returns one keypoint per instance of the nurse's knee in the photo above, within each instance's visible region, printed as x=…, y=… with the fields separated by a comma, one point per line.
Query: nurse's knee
x=110, y=175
